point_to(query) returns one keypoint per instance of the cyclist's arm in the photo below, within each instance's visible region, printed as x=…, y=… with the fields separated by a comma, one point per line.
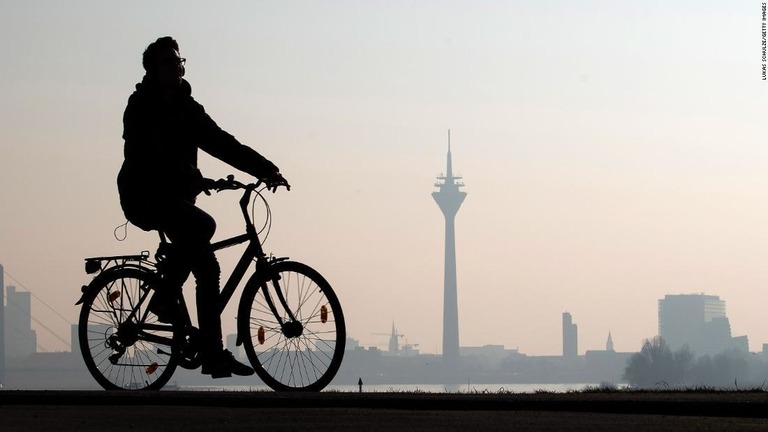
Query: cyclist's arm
x=225, y=147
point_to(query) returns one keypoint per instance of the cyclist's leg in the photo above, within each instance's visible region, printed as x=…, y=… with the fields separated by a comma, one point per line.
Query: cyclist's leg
x=165, y=302
x=190, y=229
x=163, y=214
x=206, y=269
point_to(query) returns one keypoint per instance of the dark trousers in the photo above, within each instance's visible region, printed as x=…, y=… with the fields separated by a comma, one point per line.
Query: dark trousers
x=190, y=230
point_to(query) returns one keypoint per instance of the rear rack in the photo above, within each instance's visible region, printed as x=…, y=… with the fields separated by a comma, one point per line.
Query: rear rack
x=97, y=264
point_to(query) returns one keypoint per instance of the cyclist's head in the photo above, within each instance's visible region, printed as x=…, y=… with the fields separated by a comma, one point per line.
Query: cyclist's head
x=162, y=62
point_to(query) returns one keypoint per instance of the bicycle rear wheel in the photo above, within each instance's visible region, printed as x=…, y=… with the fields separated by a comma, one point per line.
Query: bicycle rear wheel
x=124, y=345
x=303, y=355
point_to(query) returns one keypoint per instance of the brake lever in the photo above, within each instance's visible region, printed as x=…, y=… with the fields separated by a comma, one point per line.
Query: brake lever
x=228, y=183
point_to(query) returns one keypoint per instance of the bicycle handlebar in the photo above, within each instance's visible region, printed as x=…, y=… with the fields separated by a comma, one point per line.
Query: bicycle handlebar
x=230, y=183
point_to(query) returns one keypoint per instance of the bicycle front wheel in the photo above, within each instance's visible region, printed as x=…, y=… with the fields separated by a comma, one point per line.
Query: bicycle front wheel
x=124, y=346
x=300, y=355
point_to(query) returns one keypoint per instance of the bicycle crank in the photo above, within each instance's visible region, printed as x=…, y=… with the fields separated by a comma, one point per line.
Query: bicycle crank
x=187, y=348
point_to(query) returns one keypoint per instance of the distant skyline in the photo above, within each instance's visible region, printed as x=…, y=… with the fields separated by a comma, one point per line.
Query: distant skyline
x=616, y=153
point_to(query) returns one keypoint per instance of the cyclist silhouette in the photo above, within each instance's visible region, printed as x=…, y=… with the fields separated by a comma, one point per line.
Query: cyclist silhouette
x=159, y=180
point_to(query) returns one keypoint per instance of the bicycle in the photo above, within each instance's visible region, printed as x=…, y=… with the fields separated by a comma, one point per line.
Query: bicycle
x=289, y=319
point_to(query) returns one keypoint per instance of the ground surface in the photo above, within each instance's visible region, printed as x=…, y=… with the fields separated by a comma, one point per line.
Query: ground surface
x=214, y=411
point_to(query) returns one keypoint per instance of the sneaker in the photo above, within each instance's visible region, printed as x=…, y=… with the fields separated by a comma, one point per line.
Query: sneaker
x=224, y=365
x=162, y=305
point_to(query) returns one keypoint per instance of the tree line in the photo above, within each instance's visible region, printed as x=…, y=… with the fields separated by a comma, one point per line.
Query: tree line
x=656, y=365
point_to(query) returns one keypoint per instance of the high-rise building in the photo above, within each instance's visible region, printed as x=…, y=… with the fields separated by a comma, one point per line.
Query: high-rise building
x=570, y=336
x=696, y=320
x=2, y=323
x=449, y=199
x=20, y=339
x=74, y=338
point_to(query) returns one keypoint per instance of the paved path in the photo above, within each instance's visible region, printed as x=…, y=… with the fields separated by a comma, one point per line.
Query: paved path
x=214, y=411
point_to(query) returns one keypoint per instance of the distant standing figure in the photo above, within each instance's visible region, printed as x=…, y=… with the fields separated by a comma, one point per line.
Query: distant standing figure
x=163, y=127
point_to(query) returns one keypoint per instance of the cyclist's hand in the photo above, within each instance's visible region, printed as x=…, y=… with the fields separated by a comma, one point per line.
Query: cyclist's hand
x=274, y=181
x=225, y=183
x=205, y=185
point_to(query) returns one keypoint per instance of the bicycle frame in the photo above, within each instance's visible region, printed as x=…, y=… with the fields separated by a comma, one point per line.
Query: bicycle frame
x=253, y=251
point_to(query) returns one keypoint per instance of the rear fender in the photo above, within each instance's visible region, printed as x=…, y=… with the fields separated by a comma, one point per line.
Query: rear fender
x=98, y=281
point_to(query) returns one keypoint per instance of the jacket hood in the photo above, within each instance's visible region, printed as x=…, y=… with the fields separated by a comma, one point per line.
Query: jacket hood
x=149, y=85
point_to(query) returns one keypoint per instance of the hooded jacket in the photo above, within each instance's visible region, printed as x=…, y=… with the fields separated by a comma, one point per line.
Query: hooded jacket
x=162, y=135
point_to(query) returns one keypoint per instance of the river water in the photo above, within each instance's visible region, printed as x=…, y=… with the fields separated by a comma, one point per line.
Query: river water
x=423, y=388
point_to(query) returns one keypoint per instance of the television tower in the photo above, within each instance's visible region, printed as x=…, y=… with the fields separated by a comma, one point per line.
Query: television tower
x=449, y=199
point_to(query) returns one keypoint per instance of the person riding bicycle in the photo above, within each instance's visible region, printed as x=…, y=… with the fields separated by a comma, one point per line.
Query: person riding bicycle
x=159, y=181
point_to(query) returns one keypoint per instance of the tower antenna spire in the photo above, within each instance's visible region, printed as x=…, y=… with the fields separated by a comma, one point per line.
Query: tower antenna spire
x=449, y=169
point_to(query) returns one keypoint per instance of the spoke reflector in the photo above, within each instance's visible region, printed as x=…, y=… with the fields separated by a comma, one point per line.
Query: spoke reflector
x=152, y=368
x=260, y=335
x=114, y=296
x=324, y=314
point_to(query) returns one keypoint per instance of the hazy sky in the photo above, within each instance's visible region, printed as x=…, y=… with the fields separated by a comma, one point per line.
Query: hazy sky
x=613, y=152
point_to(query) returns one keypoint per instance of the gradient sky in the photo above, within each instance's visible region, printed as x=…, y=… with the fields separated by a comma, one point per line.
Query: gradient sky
x=613, y=153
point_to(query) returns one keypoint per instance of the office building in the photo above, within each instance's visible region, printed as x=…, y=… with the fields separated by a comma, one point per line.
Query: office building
x=20, y=339
x=698, y=321
x=2, y=324
x=570, y=337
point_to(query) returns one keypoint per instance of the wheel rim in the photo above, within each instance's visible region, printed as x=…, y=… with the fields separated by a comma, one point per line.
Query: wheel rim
x=123, y=345
x=300, y=355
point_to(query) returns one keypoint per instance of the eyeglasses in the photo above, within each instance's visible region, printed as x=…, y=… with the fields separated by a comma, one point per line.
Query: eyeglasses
x=174, y=61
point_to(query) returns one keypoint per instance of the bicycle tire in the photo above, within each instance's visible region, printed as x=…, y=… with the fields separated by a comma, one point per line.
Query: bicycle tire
x=307, y=362
x=123, y=345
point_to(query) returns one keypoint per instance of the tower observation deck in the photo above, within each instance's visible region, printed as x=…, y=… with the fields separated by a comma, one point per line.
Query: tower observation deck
x=449, y=198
